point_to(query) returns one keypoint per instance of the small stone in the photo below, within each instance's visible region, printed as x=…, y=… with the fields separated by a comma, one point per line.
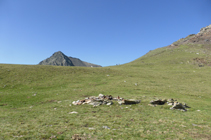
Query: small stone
x=74, y=112
x=106, y=127
x=169, y=103
x=109, y=103
x=91, y=128
x=100, y=95
x=194, y=124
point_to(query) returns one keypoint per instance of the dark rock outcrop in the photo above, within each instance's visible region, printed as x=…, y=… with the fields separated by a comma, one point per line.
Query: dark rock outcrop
x=60, y=59
x=203, y=37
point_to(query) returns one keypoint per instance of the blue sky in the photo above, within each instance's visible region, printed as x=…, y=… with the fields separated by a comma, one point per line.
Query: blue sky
x=104, y=32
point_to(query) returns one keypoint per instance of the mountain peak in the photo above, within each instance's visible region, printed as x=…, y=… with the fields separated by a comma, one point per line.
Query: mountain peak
x=60, y=59
x=58, y=53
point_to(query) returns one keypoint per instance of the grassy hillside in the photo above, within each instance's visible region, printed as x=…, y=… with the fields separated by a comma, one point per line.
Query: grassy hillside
x=35, y=100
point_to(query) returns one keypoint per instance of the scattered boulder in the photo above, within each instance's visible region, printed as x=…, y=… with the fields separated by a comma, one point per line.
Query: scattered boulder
x=172, y=102
x=128, y=102
x=158, y=102
x=179, y=106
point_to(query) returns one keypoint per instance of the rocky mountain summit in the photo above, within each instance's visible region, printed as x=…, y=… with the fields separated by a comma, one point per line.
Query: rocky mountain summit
x=60, y=59
x=203, y=37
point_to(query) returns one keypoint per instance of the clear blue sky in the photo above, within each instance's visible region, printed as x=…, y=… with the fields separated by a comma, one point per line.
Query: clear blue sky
x=104, y=32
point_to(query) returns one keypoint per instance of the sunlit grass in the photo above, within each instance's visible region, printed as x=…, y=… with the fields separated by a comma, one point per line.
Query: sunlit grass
x=35, y=100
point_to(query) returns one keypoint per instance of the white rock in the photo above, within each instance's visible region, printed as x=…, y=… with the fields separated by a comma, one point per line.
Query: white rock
x=106, y=127
x=109, y=103
x=100, y=95
x=91, y=128
x=74, y=112
x=75, y=102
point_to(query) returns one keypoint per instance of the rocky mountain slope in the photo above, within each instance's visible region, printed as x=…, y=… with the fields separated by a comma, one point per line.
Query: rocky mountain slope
x=195, y=49
x=60, y=59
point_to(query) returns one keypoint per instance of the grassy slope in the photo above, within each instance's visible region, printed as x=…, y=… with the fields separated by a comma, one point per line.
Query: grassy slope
x=162, y=73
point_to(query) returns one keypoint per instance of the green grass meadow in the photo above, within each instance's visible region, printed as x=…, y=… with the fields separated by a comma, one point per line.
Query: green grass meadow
x=35, y=100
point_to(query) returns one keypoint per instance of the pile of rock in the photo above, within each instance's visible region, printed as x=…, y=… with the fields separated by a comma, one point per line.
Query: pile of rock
x=177, y=105
x=172, y=102
x=104, y=100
